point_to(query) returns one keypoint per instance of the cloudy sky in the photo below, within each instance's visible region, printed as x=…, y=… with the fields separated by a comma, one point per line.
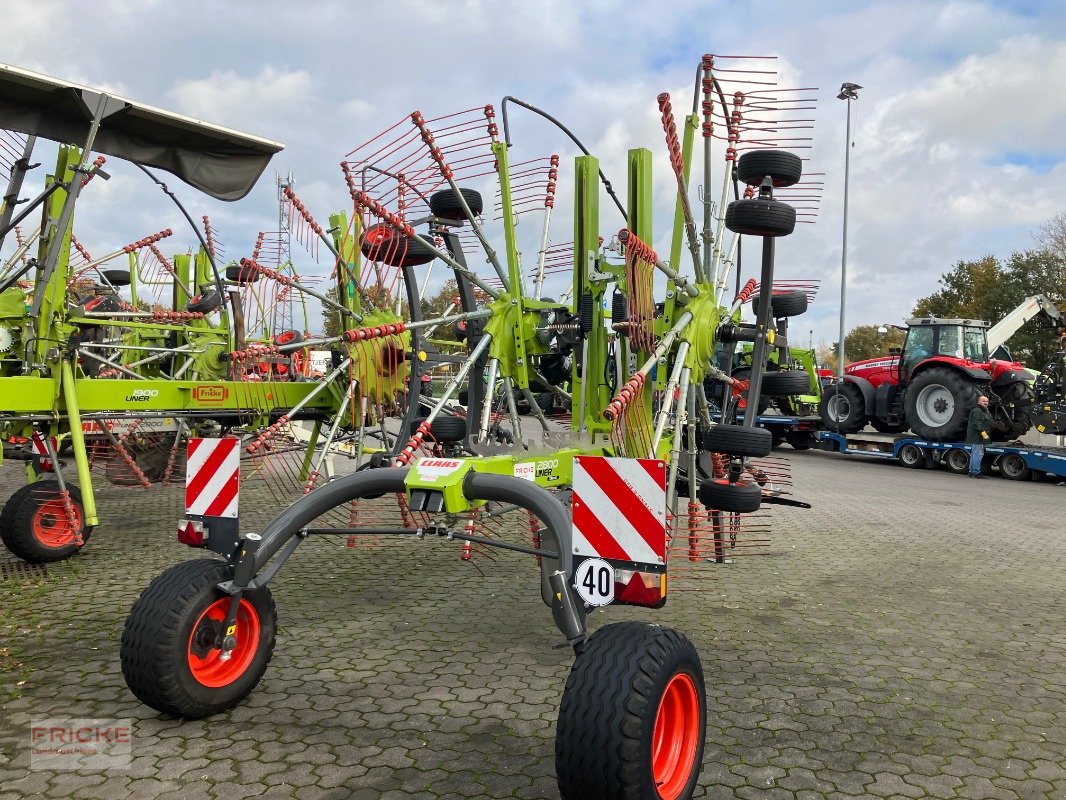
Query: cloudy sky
x=958, y=132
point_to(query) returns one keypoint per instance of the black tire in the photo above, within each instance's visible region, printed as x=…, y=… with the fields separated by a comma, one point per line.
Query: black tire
x=800, y=440
x=760, y=217
x=764, y=399
x=777, y=440
x=205, y=303
x=785, y=382
x=384, y=243
x=609, y=715
x=783, y=168
x=288, y=337
x=117, y=277
x=740, y=497
x=881, y=426
x=1013, y=467
x=938, y=404
x=446, y=205
x=237, y=274
x=167, y=629
x=957, y=460
x=448, y=429
x=33, y=523
x=911, y=456
x=783, y=304
x=737, y=440
x=842, y=408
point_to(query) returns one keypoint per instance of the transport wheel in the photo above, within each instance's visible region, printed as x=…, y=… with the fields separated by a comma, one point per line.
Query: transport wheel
x=842, y=408
x=739, y=497
x=633, y=716
x=783, y=168
x=938, y=404
x=384, y=243
x=445, y=204
x=800, y=440
x=205, y=303
x=34, y=524
x=241, y=275
x=168, y=655
x=784, y=304
x=1013, y=468
x=785, y=382
x=957, y=461
x=737, y=440
x=444, y=428
x=881, y=426
x=117, y=277
x=910, y=455
x=760, y=217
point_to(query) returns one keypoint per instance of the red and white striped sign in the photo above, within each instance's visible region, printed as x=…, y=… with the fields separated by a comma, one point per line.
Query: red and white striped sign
x=212, y=477
x=619, y=509
x=42, y=451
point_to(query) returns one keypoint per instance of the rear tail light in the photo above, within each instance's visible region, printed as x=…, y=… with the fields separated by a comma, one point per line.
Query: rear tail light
x=192, y=533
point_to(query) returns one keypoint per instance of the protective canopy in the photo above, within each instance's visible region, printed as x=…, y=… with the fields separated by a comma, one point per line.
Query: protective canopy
x=221, y=162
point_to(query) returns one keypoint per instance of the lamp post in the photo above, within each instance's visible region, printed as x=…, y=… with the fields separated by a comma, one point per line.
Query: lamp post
x=848, y=92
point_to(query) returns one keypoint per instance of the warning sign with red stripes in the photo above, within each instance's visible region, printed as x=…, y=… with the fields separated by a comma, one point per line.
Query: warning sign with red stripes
x=619, y=509
x=212, y=477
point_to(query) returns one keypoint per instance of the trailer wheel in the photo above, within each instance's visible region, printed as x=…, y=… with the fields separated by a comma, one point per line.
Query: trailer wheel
x=1013, y=467
x=910, y=455
x=800, y=440
x=167, y=654
x=957, y=461
x=785, y=382
x=843, y=408
x=738, y=440
x=760, y=217
x=445, y=204
x=738, y=498
x=383, y=243
x=34, y=524
x=782, y=167
x=633, y=716
x=784, y=304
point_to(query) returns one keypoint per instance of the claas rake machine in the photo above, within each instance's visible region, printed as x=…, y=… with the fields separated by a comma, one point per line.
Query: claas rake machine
x=625, y=478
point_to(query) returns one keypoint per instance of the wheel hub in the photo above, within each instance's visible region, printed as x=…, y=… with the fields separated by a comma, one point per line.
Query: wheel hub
x=839, y=407
x=935, y=405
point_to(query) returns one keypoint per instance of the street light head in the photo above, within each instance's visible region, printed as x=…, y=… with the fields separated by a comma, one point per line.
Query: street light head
x=849, y=91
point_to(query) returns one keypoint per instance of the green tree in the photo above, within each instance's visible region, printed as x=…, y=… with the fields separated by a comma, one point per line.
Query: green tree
x=331, y=318
x=864, y=341
x=437, y=304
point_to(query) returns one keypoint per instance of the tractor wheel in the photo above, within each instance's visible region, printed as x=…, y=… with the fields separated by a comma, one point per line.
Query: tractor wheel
x=737, y=440
x=1013, y=468
x=168, y=654
x=117, y=277
x=34, y=524
x=800, y=440
x=938, y=404
x=384, y=243
x=785, y=304
x=760, y=217
x=910, y=455
x=785, y=382
x=633, y=716
x=843, y=408
x=957, y=461
x=881, y=426
x=782, y=167
x=445, y=204
x=740, y=497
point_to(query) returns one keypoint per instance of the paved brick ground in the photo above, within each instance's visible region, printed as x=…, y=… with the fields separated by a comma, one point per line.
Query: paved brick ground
x=906, y=639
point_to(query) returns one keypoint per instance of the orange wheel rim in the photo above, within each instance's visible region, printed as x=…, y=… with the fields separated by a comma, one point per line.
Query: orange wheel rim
x=51, y=527
x=675, y=738
x=205, y=660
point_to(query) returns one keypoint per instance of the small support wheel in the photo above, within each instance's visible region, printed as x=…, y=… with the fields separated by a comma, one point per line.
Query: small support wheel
x=783, y=168
x=35, y=527
x=633, y=716
x=760, y=217
x=738, y=440
x=737, y=498
x=170, y=655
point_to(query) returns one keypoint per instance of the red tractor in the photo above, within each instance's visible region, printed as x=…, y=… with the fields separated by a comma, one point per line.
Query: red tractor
x=932, y=386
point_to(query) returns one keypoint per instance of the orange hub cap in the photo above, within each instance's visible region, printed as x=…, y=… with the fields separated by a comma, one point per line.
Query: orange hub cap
x=51, y=527
x=205, y=660
x=676, y=737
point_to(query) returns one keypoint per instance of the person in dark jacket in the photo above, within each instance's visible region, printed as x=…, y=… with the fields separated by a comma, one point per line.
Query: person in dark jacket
x=978, y=429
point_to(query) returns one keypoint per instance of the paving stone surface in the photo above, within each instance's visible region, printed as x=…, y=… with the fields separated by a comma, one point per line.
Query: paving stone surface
x=905, y=638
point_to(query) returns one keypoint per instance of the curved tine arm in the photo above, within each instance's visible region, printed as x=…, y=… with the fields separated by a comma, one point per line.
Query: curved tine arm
x=313, y=505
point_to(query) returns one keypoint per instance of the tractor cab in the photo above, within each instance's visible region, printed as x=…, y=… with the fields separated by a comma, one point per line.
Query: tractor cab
x=928, y=337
